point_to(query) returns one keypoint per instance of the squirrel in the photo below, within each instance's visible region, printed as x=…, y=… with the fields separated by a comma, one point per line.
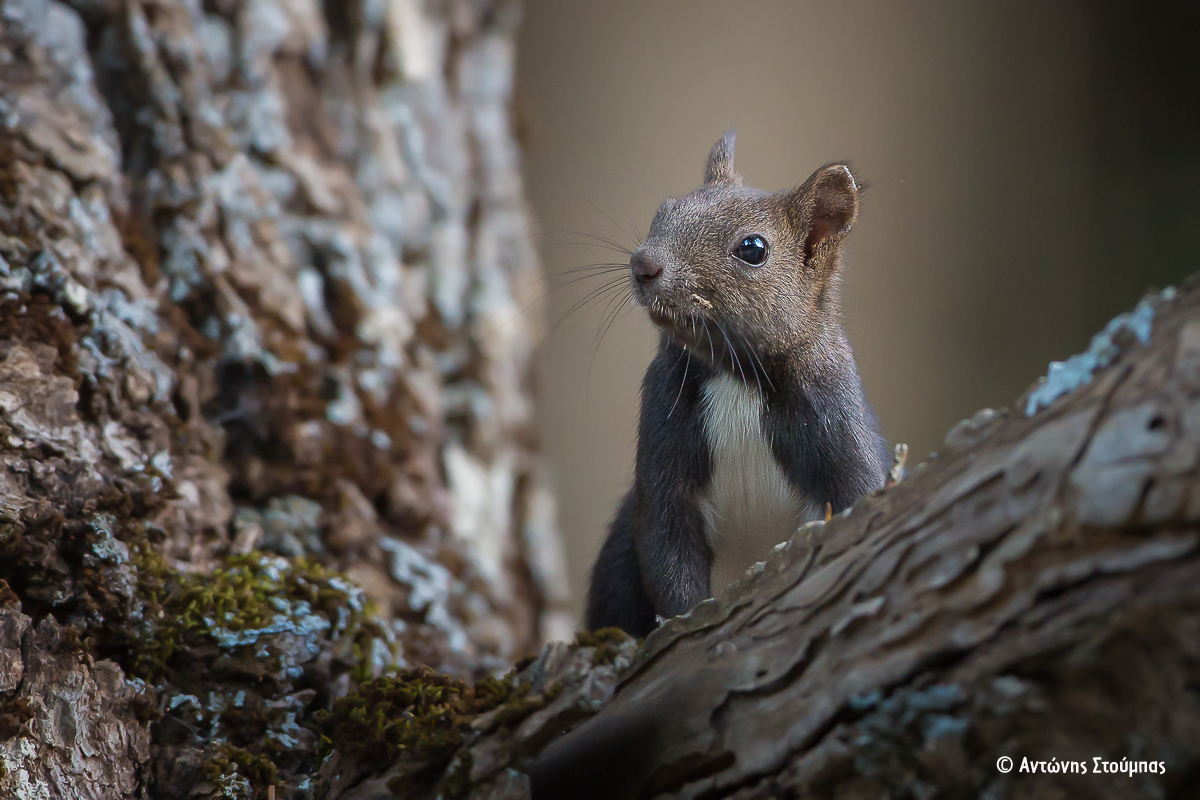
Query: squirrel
x=753, y=417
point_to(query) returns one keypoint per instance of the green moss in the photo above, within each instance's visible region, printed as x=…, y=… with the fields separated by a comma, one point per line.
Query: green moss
x=416, y=713
x=606, y=641
x=250, y=592
x=422, y=717
x=153, y=571
x=245, y=597
x=230, y=651
x=259, y=769
x=457, y=781
x=370, y=643
x=238, y=774
x=149, y=651
x=521, y=703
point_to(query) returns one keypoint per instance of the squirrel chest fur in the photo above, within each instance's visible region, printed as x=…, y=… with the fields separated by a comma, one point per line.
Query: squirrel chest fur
x=749, y=506
x=753, y=418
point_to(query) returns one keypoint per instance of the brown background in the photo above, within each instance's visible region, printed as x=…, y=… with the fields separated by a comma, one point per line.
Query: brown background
x=1032, y=170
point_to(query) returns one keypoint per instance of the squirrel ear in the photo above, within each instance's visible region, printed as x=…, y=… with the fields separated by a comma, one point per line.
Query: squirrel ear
x=827, y=204
x=720, y=161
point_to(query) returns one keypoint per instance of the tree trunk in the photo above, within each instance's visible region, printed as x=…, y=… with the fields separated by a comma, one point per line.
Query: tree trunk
x=257, y=332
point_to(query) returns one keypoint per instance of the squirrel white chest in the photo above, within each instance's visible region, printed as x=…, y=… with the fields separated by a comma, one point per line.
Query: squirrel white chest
x=748, y=505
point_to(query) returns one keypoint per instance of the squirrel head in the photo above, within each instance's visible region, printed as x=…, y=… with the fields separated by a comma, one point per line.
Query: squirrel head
x=729, y=266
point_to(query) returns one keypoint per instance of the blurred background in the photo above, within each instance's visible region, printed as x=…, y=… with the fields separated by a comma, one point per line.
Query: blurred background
x=1033, y=170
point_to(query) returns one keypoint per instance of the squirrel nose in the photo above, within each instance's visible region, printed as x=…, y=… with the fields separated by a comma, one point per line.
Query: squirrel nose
x=644, y=268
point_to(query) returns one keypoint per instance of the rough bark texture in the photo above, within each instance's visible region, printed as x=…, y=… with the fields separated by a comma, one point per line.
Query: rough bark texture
x=1033, y=591
x=256, y=335
x=256, y=259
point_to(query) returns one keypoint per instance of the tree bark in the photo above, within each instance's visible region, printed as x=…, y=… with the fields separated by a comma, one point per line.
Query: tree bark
x=1015, y=619
x=257, y=261
x=257, y=333
x=1031, y=592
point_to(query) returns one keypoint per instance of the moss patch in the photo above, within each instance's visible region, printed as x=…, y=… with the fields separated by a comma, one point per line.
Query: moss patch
x=457, y=781
x=606, y=641
x=422, y=718
x=238, y=774
x=248, y=596
x=416, y=713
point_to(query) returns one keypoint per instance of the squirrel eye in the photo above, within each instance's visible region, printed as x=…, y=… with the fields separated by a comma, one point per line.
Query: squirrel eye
x=752, y=250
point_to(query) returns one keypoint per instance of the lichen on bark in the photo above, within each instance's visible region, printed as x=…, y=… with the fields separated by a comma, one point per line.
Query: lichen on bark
x=261, y=435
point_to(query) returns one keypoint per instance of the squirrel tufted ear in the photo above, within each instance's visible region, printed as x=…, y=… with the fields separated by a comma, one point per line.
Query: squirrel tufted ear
x=828, y=204
x=720, y=161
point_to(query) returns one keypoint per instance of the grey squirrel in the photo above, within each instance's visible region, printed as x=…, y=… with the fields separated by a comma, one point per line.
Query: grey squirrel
x=753, y=417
